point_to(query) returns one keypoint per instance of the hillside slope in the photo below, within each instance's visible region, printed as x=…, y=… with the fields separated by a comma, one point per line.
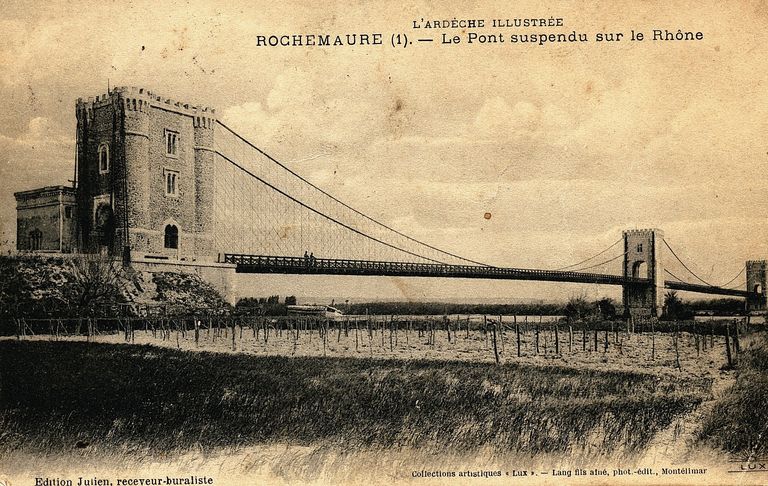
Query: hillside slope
x=43, y=286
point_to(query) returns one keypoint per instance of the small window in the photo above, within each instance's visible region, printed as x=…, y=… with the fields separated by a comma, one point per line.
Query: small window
x=171, y=236
x=171, y=183
x=103, y=158
x=639, y=247
x=171, y=139
x=68, y=212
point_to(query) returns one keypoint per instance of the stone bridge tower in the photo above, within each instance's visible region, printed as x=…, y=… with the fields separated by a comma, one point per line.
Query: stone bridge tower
x=756, y=276
x=643, y=259
x=145, y=176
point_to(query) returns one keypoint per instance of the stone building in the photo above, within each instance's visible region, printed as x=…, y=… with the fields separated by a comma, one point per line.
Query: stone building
x=45, y=219
x=144, y=176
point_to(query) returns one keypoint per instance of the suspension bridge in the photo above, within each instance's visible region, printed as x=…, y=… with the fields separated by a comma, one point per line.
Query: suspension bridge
x=270, y=214
x=226, y=199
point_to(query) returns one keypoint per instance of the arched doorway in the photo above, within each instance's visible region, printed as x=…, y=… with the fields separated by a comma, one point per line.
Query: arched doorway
x=104, y=234
x=640, y=270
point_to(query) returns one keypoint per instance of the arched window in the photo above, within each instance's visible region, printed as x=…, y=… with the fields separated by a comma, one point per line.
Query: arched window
x=35, y=239
x=171, y=236
x=103, y=158
x=758, y=289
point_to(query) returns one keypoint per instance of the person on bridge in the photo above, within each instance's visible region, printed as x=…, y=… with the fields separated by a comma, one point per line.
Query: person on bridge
x=306, y=259
x=312, y=259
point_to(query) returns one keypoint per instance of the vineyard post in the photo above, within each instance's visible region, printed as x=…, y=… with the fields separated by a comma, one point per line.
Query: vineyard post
x=495, y=348
x=395, y=324
x=736, y=340
x=467, y=336
x=595, y=340
x=584, y=338
x=234, y=346
x=408, y=331
x=197, y=333
x=325, y=334
x=501, y=330
x=357, y=345
x=557, y=340
x=537, y=337
x=728, y=345
x=605, y=345
x=653, y=341
x=485, y=330
x=517, y=331
x=570, y=337
x=448, y=328
x=696, y=340
x=370, y=334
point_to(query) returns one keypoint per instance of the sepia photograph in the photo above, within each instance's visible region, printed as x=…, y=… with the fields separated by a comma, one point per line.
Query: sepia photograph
x=363, y=243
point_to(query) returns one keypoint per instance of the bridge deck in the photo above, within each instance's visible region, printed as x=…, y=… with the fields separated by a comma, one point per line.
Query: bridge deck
x=330, y=266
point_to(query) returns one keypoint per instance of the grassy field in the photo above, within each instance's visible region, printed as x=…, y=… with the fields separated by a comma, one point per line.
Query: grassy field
x=739, y=422
x=60, y=396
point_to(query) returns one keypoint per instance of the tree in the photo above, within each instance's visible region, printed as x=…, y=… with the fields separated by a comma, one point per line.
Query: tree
x=675, y=308
x=578, y=308
x=606, y=307
x=95, y=283
x=290, y=300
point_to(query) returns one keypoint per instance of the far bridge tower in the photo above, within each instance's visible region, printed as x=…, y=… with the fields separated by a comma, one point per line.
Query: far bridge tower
x=643, y=259
x=756, y=276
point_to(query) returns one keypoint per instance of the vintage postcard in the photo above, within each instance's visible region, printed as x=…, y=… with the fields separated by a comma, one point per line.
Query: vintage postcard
x=414, y=243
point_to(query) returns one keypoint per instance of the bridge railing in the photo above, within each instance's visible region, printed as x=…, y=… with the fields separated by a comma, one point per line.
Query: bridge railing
x=291, y=264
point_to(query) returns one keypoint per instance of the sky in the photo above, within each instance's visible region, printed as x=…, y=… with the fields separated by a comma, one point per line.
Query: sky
x=565, y=145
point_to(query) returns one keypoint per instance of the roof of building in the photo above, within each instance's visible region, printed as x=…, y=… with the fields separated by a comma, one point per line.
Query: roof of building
x=42, y=190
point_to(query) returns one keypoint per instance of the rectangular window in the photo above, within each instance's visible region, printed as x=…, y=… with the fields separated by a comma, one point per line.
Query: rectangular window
x=171, y=141
x=639, y=247
x=171, y=183
x=68, y=212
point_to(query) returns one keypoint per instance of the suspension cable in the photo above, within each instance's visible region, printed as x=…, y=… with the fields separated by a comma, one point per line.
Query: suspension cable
x=684, y=265
x=344, y=204
x=598, y=264
x=674, y=276
x=321, y=213
x=734, y=278
x=592, y=257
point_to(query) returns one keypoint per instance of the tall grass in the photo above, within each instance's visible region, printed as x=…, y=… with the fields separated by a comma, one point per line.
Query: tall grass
x=58, y=396
x=739, y=421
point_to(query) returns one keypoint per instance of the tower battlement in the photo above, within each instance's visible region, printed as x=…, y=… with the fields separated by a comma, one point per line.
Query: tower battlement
x=643, y=231
x=140, y=99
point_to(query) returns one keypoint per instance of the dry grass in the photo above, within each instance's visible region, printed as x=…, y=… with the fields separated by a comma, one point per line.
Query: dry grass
x=58, y=396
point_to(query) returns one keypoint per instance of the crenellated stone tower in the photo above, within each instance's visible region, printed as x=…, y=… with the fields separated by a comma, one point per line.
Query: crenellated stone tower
x=145, y=176
x=643, y=259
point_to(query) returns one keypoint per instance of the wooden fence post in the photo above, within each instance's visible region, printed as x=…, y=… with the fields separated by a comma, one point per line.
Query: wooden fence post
x=495, y=348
